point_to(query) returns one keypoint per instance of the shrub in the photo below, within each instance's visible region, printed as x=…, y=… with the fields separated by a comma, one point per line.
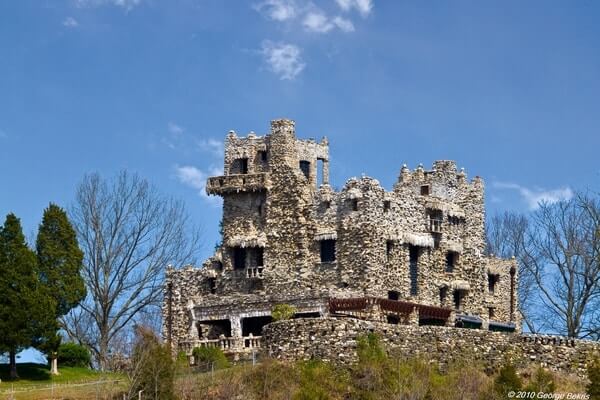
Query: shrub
x=152, y=368
x=507, y=380
x=282, y=312
x=73, y=355
x=210, y=355
x=541, y=381
x=593, y=373
x=320, y=381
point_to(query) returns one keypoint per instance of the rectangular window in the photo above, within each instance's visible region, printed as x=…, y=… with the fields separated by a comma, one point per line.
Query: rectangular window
x=260, y=257
x=393, y=295
x=414, y=269
x=425, y=190
x=212, y=285
x=492, y=281
x=386, y=206
x=354, y=204
x=443, y=295
x=491, y=313
x=239, y=258
x=457, y=299
x=389, y=247
x=239, y=166
x=305, y=168
x=327, y=251
x=451, y=259
x=262, y=155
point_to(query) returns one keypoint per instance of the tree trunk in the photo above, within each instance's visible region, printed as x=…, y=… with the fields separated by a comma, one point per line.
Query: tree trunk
x=13, y=365
x=54, y=365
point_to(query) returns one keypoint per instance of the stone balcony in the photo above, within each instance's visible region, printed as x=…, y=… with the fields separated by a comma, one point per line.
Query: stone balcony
x=220, y=185
x=227, y=344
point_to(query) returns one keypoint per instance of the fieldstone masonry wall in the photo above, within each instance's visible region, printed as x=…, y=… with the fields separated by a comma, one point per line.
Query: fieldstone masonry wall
x=334, y=339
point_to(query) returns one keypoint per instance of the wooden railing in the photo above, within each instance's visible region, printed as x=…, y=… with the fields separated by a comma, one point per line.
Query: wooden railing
x=396, y=306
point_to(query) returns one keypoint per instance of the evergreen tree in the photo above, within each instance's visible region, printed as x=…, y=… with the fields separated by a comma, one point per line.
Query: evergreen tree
x=22, y=300
x=59, y=264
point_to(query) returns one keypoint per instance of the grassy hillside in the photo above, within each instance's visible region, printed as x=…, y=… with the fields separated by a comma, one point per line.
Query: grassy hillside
x=73, y=382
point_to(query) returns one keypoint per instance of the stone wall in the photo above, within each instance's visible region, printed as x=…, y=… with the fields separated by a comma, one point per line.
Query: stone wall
x=334, y=339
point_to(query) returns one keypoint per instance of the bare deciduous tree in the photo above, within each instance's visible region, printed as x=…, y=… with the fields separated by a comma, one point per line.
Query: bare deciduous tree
x=507, y=236
x=129, y=234
x=564, y=261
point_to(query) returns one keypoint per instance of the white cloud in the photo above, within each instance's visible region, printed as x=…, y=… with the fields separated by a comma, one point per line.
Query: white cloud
x=196, y=179
x=174, y=129
x=125, y=4
x=364, y=7
x=317, y=21
x=277, y=10
x=283, y=59
x=213, y=146
x=70, y=22
x=533, y=197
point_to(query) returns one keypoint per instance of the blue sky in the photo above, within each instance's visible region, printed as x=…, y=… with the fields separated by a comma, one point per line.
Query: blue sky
x=509, y=89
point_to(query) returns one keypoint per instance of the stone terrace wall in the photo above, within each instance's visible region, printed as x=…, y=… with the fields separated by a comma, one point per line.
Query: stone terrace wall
x=334, y=339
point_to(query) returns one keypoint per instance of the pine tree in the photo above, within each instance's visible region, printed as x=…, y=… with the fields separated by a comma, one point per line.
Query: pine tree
x=22, y=303
x=59, y=264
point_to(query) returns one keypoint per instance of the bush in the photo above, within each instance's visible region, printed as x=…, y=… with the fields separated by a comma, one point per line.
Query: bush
x=73, y=355
x=210, y=355
x=320, y=381
x=283, y=311
x=507, y=380
x=541, y=381
x=152, y=368
x=593, y=373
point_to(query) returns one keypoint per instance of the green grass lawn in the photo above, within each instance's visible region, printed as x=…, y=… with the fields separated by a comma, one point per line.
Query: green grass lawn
x=35, y=382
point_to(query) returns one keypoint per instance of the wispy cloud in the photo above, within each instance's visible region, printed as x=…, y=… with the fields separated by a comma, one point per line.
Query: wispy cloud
x=213, y=146
x=175, y=129
x=277, y=10
x=284, y=59
x=125, y=4
x=195, y=178
x=533, y=197
x=70, y=22
x=364, y=7
x=317, y=21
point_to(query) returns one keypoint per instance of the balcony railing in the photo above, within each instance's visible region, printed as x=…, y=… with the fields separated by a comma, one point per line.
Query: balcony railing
x=254, y=272
x=227, y=344
x=236, y=183
x=435, y=225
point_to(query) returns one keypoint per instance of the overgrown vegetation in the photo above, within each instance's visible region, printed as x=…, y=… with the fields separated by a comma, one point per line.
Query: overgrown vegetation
x=593, y=372
x=283, y=311
x=212, y=356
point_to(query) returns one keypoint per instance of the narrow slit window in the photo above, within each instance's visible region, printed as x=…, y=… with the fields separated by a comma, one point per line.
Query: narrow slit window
x=262, y=156
x=443, y=295
x=260, y=261
x=354, y=204
x=239, y=258
x=386, y=206
x=389, y=248
x=451, y=259
x=492, y=281
x=414, y=270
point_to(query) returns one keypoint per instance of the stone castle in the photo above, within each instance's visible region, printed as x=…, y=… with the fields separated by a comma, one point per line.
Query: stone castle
x=411, y=256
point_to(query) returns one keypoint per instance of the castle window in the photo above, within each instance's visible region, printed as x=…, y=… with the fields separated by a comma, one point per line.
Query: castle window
x=354, y=204
x=451, y=259
x=393, y=319
x=305, y=168
x=414, y=269
x=443, y=295
x=239, y=258
x=386, y=206
x=239, y=166
x=492, y=281
x=393, y=295
x=260, y=261
x=491, y=313
x=389, y=247
x=458, y=297
x=328, y=250
x=425, y=189
x=262, y=155
x=326, y=204
x=212, y=285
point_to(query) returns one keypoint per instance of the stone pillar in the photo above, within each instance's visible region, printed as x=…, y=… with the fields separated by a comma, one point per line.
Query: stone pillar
x=236, y=326
x=325, y=176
